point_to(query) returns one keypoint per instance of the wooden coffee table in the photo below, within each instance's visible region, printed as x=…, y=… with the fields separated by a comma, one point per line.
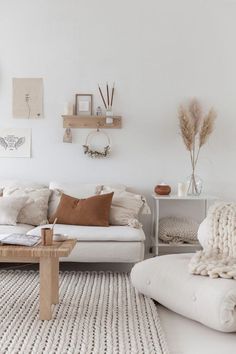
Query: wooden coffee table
x=48, y=258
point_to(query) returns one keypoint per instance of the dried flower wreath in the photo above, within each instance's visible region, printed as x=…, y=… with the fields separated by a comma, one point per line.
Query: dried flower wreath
x=104, y=152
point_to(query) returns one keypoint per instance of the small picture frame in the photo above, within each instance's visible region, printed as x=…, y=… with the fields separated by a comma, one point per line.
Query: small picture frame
x=83, y=104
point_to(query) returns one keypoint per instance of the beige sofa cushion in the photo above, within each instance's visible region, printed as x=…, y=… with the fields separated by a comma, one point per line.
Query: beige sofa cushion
x=10, y=208
x=125, y=207
x=35, y=210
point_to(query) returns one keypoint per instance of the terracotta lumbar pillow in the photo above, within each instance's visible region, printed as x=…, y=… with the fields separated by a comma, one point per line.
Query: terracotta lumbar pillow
x=93, y=211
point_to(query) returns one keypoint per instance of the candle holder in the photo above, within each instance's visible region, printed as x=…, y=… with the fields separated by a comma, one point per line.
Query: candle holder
x=46, y=236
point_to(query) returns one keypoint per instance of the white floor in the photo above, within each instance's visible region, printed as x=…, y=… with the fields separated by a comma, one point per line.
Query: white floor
x=189, y=337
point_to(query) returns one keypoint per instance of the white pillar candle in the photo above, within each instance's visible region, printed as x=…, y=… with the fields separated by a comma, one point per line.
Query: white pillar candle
x=182, y=189
x=69, y=109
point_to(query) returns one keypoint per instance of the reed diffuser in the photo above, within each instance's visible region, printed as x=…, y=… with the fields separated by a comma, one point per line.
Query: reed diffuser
x=108, y=102
x=195, y=130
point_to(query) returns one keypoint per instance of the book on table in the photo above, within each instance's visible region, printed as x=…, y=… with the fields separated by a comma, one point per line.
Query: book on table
x=19, y=240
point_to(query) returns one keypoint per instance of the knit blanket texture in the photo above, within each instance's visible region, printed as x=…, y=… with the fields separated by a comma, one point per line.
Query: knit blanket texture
x=178, y=230
x=218, y=259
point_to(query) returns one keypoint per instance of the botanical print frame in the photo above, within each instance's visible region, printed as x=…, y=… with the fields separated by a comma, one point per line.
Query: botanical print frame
x=83, y=104
x=15, y=142
x=27, y=98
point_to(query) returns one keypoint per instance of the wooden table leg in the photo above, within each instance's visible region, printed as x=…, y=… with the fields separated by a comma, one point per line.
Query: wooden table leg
x=55, y=280
x=46, y=271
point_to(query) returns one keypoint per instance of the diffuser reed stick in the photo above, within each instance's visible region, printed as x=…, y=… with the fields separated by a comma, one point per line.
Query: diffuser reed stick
x=112, y=93
x=108, y=98
x=104, y=102
x=109, y=103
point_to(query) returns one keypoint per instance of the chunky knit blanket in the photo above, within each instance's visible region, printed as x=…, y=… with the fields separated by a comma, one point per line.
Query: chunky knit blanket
x=178, y=230
x=218, y=259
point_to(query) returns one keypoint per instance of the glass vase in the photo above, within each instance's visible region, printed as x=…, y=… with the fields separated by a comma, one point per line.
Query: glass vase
x=194, y=183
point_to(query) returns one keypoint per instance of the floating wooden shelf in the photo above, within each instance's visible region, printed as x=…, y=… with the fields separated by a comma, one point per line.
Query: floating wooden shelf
x=90, y=122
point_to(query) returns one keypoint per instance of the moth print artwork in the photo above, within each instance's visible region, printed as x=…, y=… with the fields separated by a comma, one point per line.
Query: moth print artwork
x=27, y=98
x=15, y=143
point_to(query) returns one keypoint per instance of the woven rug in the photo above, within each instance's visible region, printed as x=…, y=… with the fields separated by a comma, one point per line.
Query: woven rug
x=99, y=312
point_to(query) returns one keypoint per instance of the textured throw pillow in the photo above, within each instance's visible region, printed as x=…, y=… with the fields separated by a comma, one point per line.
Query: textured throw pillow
x=35, y=210
x=10, y=208
x=125, y=208
x=93, y=211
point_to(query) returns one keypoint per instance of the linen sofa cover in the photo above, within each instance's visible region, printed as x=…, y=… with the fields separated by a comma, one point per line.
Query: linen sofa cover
x=95, y=233
x=106, y=252
x=167, y=280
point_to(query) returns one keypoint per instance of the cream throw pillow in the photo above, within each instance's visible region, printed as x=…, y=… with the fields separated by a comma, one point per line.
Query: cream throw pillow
x=10, y=208
x=126, y=207
x=35, y=210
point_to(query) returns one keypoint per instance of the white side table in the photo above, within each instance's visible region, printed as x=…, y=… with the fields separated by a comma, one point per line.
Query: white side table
x=182, y=206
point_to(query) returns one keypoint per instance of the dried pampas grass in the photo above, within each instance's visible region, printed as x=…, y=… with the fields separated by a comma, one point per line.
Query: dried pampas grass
x=186, y=128
x=195, y=110
x=207, y=127
x=195, y=130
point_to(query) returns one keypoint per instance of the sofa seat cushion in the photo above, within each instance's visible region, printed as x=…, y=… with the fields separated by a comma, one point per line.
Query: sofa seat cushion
x=96, y=233
x=18, y=228
x=167, y=280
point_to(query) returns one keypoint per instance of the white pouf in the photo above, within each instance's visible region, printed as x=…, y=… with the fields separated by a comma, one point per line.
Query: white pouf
x=166, y=279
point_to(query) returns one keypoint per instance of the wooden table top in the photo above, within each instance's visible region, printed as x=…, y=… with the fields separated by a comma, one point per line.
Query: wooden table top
x=58, y=249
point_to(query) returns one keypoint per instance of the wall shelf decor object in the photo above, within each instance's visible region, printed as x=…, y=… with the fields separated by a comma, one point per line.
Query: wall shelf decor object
x=91, y=122
x=83, y=104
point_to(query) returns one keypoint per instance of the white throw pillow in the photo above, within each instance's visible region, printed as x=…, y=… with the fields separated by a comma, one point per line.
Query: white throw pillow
x=10, y=208
x=76, y=190
x=204, y=233
x=125, y=207
x=35, y=210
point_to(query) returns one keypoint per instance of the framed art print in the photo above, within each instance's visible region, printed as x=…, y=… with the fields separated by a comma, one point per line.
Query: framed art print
x=27, y=101
x=15, y=142
x=83, y=104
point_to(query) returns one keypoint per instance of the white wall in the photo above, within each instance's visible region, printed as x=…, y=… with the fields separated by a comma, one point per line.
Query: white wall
x=160, y=53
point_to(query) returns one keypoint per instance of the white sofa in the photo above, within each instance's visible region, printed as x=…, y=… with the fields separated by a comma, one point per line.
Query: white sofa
x=94, y=244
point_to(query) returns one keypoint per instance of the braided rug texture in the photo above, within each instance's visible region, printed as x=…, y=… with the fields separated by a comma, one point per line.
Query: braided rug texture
x=99, y=312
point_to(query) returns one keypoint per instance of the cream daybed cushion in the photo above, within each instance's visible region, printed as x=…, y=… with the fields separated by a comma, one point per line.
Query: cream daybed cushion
x=167, y=280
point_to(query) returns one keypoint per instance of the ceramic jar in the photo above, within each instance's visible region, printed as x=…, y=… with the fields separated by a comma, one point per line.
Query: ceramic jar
x=162, y=189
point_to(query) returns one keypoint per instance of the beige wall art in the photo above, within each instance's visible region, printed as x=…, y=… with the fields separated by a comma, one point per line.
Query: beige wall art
x=27, y=98
x=15, y=142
